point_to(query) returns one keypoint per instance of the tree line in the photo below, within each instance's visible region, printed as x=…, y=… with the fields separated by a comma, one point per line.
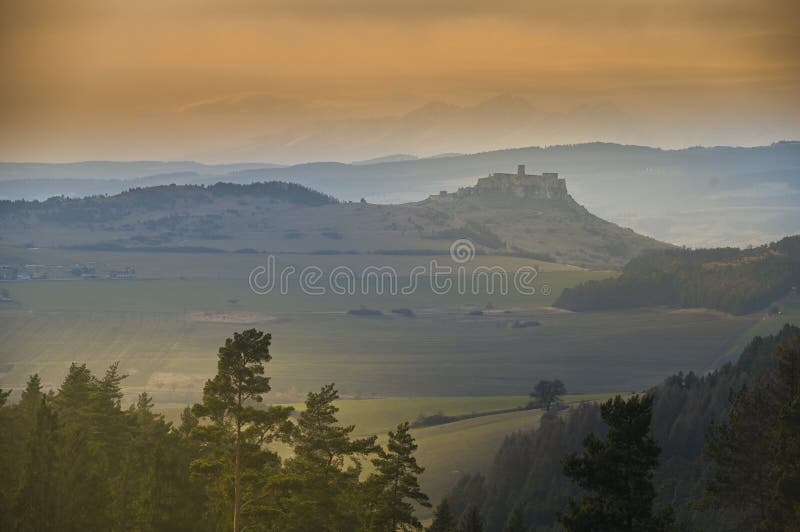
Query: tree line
x=75, y=460
x=717, y=452
x=733, y=280
x=103, y=208
x=713, y=452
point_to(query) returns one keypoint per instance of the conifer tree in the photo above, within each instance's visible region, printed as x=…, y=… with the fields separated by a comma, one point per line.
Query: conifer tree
x=396, y=483
x=89, y=448
x=471, y=521
x=516, y=521
x=188, y=422
x=756, y=452
x=617, y=472
x=37, y=498
x=443, y=519
x=7, y=457
x=31, y=396
x=321, y=483
x=236, y=427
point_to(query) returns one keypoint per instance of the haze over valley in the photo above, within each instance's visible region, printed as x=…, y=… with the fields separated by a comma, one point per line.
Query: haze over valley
x=380, y=266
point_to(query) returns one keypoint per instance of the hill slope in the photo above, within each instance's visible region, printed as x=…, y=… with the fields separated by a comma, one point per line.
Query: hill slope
x=504, y=214
x=727, y=279
x=527, y=468
x=700, y=197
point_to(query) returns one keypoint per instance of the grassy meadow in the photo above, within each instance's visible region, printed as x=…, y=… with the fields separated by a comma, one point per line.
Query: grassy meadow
x=165, y=326
x=439, y=352
x=446, y=451
x=450, y=450
x=767, y=324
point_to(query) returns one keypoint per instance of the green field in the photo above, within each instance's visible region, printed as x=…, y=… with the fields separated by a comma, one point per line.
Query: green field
x=226, y=294
x=152, y=328
x=453, y=449
x=449, y=451
x=442, y=352
x=237, y=266
x=446, y=451
x=767, y=324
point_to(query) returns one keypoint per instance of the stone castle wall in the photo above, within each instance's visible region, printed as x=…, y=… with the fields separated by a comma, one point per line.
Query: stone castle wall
x=522, y=185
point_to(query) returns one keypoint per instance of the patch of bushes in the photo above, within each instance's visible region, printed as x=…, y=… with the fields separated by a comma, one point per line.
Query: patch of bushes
x=364, y=312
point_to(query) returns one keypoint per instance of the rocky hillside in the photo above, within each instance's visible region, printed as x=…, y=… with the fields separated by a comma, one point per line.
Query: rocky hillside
x=504, y=214
x=535, y=215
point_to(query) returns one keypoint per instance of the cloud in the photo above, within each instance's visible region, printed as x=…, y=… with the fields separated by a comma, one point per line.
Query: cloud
x=242, y=103
x=86, y=76
x=610, y=13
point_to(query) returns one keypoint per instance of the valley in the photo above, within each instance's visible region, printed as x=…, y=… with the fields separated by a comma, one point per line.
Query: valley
x=152, y=328
x=156, y=278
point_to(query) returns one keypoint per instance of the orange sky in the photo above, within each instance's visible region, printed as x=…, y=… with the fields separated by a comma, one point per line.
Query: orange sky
x=232, y=79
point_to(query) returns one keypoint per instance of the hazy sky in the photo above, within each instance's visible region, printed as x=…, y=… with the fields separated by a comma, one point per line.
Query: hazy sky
x=289, y=80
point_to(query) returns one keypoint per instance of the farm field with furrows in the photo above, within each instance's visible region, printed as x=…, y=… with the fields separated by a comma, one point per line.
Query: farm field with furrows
x=165, y=335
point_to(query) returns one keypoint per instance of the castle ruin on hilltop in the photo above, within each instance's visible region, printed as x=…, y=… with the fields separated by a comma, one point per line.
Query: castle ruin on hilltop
x=545, y=186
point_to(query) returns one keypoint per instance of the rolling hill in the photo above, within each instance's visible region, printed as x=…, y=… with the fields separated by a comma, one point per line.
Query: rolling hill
x=505, y=214
x=700, y=197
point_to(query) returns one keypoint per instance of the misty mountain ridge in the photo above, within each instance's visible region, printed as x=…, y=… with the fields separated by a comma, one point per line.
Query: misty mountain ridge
x=700, y=197
x=394, y=158
x=505, y=119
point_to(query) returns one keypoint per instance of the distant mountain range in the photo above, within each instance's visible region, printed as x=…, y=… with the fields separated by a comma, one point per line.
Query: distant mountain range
x=696, y=196
x=499, y=121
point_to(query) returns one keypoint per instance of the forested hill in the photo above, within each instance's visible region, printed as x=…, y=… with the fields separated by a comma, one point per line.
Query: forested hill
x=102, y=207
x=527, y=472
x=733, y=280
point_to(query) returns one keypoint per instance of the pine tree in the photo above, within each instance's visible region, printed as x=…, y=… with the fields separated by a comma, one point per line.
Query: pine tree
x=756, y=452
x=396, y=482
x=783, y=510
x=188, y=422
x=237, y=427
x=471, y=521
x=36, y=500
x=321, y=481
x=8, y=459
x=91, y=438
x=617, y=473
x=31, y=397
x=516, y=521
x=25, y=422
x=443, y=519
